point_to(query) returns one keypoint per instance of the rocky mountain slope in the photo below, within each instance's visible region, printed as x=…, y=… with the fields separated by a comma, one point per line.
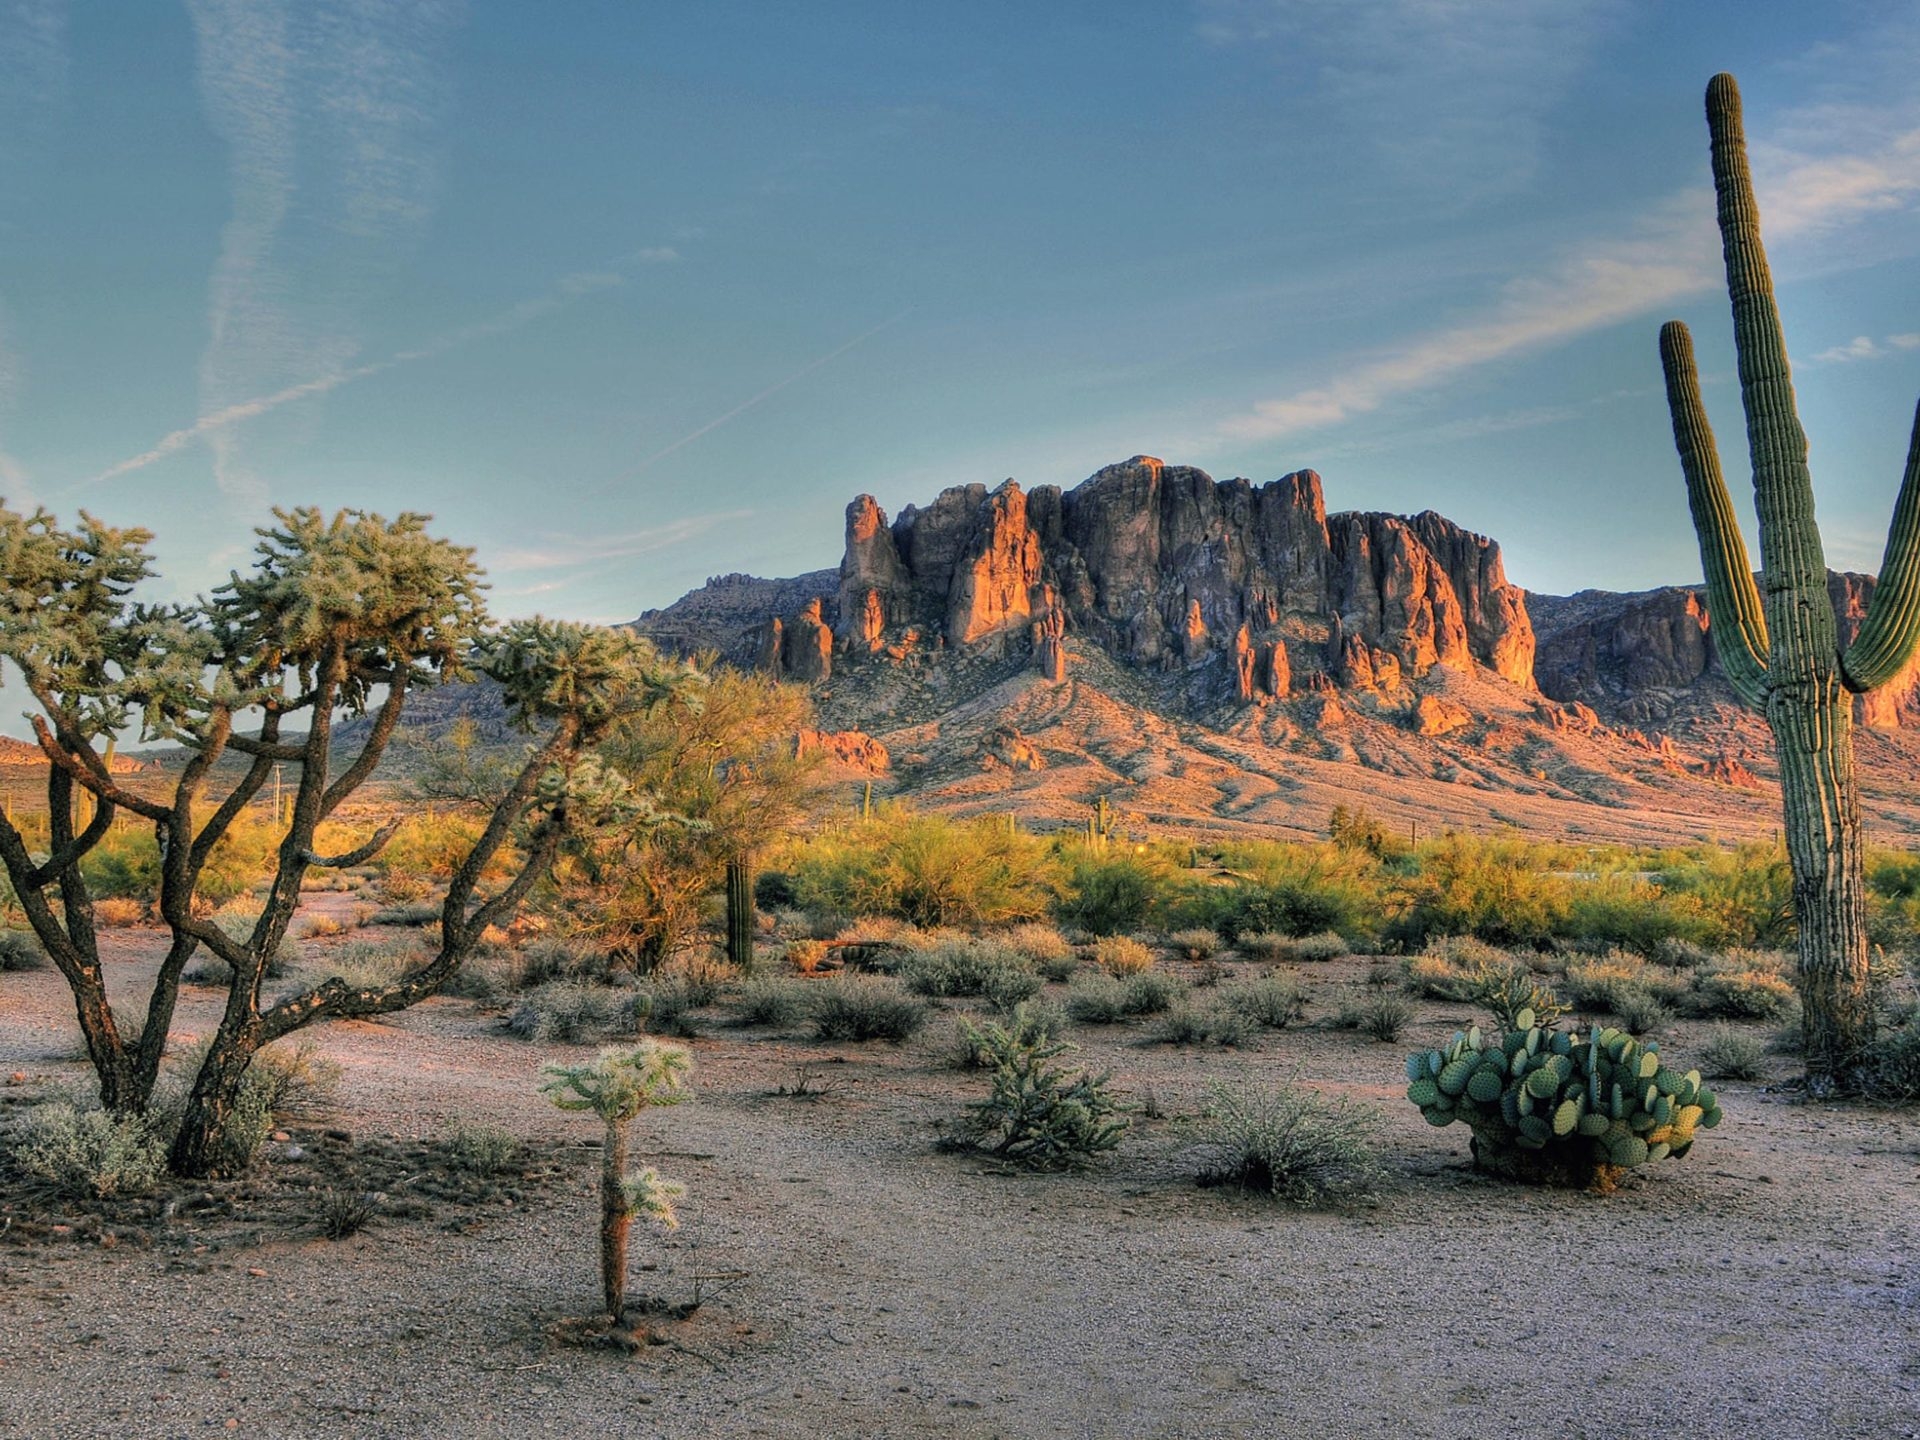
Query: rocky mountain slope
x=1228, y=656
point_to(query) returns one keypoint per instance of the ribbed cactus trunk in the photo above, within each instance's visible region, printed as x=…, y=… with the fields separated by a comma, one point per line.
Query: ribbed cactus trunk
x=1781, y=652
x=740, y=911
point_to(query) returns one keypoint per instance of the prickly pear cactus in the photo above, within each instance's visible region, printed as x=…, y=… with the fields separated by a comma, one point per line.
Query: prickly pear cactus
x=1555, y=1106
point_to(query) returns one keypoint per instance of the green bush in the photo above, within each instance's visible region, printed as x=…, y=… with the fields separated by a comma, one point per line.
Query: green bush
x=1741, y=986
x=1299, y=890
x=866, y=1007
x=981, y=1046
x=1036, y=1115
x=1274, y=1001
x=1108, y=893
x=1496, y=890
x=1890, y=1069
x=1382, y=1017
x=91, y=1154
x=926, y=869
x=1291, y=1143
x=1556, y=1106
x=1097, y=1000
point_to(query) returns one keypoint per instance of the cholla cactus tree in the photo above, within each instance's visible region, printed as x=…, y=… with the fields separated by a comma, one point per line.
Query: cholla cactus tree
x=617, y=1087
x=1778, y=642
x=337, y=617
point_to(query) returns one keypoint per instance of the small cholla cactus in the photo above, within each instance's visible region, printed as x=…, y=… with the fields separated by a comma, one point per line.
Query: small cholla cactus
x=617, y=1086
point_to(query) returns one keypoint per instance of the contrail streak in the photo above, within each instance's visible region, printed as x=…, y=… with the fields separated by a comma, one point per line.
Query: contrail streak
x=748, y=404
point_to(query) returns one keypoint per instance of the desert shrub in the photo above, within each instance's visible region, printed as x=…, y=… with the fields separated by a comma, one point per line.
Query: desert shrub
x=1291, y=1143
x=567, y=1012
x=89, y=1153
x=1437, y=978
x=19, y=950
x=1733, y=1054
x=1327, y=945
x=405, y=915
x=772, y=1001
x=1381, y=1016
x=556, y=957
x=1050, y=952
x=927, y=869
x=1742, y=986
x=1597, y=983
x=866, y=1007
x=775, y=890
x=1639, y=1010
x=1037, y=1115
x=1357, y=829
x=488, y=973
x=1382, y=974
x=484, y=1150
x=1265, y=945
x=1556, y=1106
x=1097, y=1000
x=1109, y=892
x=1890, y=1068
x=344, y=1213
x=1493, y=889
x=1298, y=890
x=294, y=1079
x=368, y=964
x=981, y=1046
x=322, y=927
x=1122, y=955
x=120, y=913
x=964, y=968
x=703, y=975
x=1746, y=893
x=1194, y=944
x=126, y=865
x=805, y=956
x=1192, y=1025
x=1148, y=992
x=1274, y=1001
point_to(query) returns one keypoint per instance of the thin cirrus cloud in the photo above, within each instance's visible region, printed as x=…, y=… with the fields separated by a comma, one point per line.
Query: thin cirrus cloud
x=572, y=552
x=1673, y=254
x=330, y=115
x=215, y=425
x=1450, y=96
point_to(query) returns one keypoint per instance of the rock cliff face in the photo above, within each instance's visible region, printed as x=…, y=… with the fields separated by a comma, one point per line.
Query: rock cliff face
x=1171, y=572
x=1637, y=657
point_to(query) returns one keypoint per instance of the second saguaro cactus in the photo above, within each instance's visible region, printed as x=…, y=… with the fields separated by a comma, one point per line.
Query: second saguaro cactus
x=1778, y=641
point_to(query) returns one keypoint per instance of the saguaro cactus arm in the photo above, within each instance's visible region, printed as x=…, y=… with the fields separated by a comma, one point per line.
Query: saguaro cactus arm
x=1793, y=566
x=1891, y=630
x=1739, y=627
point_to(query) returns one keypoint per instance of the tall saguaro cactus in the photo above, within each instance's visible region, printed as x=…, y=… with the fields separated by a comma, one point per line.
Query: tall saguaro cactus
x=1778, y=642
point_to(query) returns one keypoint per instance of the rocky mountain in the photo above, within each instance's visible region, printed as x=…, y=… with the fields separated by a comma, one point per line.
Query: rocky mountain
x=1227, y=655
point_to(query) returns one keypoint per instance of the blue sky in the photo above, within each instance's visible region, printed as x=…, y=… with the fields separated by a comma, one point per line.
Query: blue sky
x=627, y=295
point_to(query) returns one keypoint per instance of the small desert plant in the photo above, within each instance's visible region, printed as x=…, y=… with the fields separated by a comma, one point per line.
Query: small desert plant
x=773, y=1001
x=1097, y=1000
x=1639, y=1010
x=90, y=1153
x=1122, y=955
x=1036, y=1114
x=1382, y=975
x=979, y=1046
x=1150, y=993
x=1738, y=989
x=1437, y=978
x=560, y=958
x=1381, y=1016
x=369, y=964
x=1274, y=1001
x=1194, y=944
x=406, y=915
x=120, y=912
x=321, y=927
x=566, y=1011
x=1733, y=1054
x=995, y=972
x=295, y=1079
x=344, y=1213
x=20, y=951
x=1597, y=984
x=483, y=1150
x=1050, y=952
x=1191, y=1025
x=1292, y=1143
x=1505, y=988
x=1890, y=1068
x=1265, y=945
x=617, y=1087
x=866, y=1007
x=1327, y=945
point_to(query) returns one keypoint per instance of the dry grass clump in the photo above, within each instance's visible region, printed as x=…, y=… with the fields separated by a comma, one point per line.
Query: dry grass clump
x=1743, y=985
x=1271, y=1001
x=986, y=968
x=1729, y=1053
x=1121, y=955
x=1192, y=1025
x=19, y=951
x=90, y=1154
x=1293, y=1144
x=777, y=1002
x=1045, y=946
x=1382, y=1016
x=1195, y=944
x=565, y=1012
x=119, y=912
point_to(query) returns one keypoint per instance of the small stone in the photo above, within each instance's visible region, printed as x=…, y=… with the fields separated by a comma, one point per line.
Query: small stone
x=255, y=1270
x=281, y=1137
x=18, y=1077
